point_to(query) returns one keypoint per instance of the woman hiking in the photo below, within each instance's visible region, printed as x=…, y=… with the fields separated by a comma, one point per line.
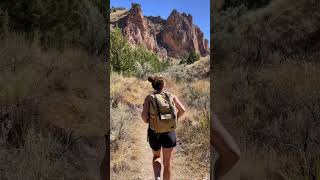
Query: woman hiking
x=225, y=145
x=161, y=110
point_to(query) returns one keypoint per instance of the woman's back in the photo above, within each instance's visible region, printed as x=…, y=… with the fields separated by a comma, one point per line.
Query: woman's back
x=161, y=110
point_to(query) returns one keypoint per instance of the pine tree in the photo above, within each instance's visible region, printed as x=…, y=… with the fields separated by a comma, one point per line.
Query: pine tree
x=120, y=53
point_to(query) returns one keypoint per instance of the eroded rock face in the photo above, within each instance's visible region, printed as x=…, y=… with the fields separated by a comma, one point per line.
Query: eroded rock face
x=175, y=37
x=137, y=29
x=180, y=36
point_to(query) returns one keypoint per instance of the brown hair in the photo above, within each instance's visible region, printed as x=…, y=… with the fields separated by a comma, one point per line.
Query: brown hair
x=157, y=82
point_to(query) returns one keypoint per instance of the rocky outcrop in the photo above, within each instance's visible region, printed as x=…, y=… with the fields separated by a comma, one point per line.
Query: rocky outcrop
x=175, y=37
x=137, y=29
x=180, y=36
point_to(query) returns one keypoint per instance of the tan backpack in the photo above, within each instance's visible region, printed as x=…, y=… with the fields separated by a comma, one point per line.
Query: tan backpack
x=162, y=112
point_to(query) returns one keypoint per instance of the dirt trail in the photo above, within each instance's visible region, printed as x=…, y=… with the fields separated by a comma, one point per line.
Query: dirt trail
x=143, y=156
x=144, y=152
x=133, y=161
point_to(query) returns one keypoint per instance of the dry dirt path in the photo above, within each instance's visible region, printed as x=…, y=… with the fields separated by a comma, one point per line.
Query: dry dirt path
x=143, y=156
x=144, y=152
x=136, y=154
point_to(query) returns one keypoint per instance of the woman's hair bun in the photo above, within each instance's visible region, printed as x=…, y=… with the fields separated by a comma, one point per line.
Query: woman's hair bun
x=150, y=79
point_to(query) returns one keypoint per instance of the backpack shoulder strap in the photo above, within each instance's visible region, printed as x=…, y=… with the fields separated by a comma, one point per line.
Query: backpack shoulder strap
x=168, y=94
x=170, y=98
x=171, y=102
x=156, y=103
x=153, y=99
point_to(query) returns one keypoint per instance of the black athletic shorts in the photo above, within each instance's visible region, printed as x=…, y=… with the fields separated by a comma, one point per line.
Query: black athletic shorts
x=165, y=140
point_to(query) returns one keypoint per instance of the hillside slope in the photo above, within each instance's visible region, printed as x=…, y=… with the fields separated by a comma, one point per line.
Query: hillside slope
x=52, y=119
x=266, y=87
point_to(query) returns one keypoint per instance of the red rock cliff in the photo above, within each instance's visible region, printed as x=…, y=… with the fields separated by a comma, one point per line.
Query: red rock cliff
x=175, y=37
x=180, y=36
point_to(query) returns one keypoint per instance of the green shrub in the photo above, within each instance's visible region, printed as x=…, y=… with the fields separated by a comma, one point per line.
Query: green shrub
x=124, y=57
x=143, y=70
x=120, y=53
x=58, y=23
x=93, y=31
x=191, y=58
x=142, y=55
x=135, y=5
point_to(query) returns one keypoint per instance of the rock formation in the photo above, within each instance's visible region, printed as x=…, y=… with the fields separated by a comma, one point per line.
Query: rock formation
x=180, y=36
x=175, y=37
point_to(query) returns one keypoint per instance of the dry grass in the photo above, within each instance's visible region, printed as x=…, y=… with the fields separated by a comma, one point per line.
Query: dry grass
x=132, y=156
x=61, y=93
x=128, y=90
x=188, y=73
x=266, y=88
x=40, y=158
x=272, y=111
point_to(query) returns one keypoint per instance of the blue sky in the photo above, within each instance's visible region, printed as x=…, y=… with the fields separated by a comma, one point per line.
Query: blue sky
x=199, y=9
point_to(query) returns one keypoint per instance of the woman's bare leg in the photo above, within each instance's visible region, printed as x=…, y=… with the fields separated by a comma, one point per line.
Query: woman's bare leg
x=156, y=163
x=167, y=152
x=229, y=152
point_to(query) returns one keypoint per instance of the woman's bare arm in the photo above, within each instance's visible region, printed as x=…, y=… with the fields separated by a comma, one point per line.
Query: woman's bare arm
x=180, y=107
x=144, y=114
x=223, y=142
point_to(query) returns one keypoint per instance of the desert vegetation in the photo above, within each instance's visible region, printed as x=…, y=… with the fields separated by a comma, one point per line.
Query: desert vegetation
x=129, y=60
x=49, y=113
x=52, y=90
x=130, y=152
x=57, y=24
x=266, y=92
x=191, y=58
